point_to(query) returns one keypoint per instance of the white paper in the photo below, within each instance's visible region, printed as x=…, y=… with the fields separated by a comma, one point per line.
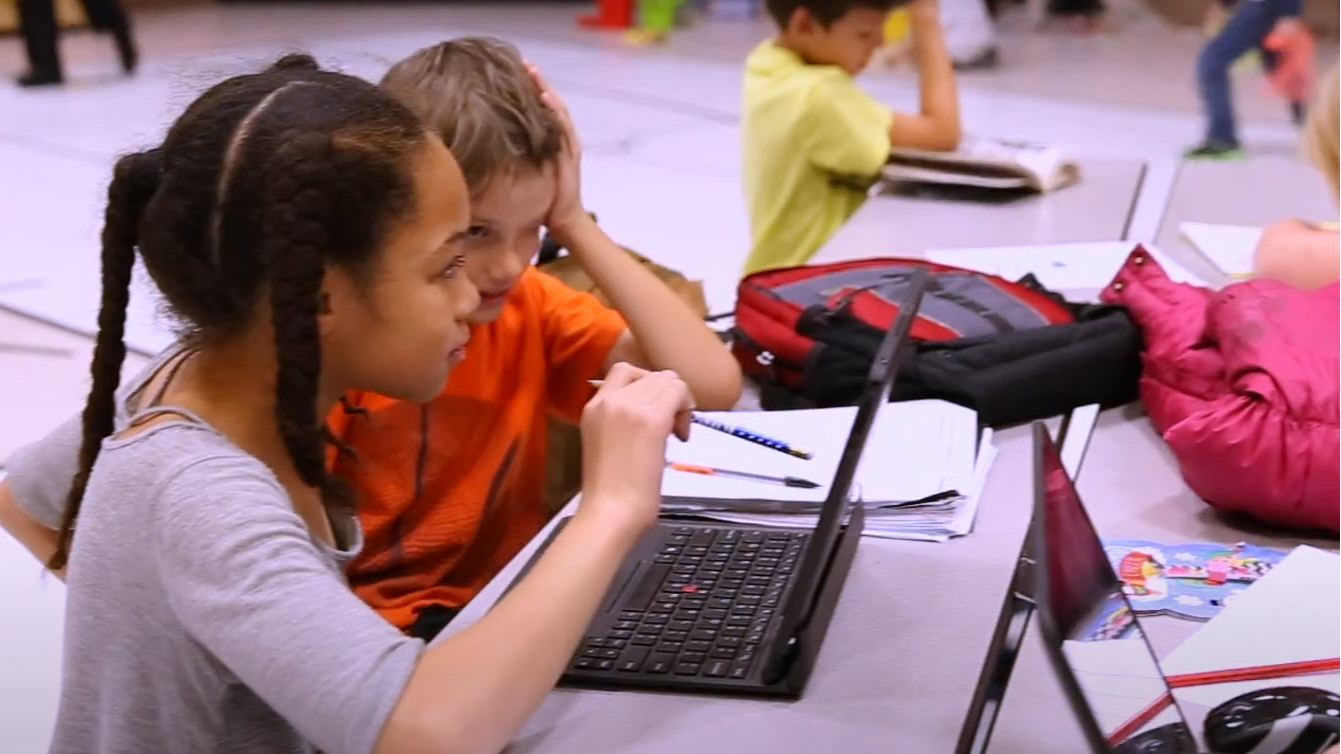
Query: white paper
x=1228, y=247
x=1060, y=267
x=916, y=449
x=1292, y=614
x=937, y=522
x=1119, y=678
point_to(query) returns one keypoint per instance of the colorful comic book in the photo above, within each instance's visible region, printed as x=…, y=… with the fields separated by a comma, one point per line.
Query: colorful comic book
x=1187, y=580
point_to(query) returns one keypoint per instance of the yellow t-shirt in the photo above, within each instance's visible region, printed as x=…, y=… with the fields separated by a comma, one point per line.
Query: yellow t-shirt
x=812, y=142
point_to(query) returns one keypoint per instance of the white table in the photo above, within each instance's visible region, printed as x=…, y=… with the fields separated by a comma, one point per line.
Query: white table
x=910, y=633
x=1098, y=208
x=1258, y=191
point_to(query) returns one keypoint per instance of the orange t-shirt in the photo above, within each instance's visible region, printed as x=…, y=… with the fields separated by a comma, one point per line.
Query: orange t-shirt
x=449, y=491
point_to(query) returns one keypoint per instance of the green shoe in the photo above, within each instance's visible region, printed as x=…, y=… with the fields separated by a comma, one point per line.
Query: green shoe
x=1215, y=151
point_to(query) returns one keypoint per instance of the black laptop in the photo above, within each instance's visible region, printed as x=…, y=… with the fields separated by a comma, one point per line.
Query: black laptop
x=1082, y=613
x=1103, y=660
x=729, y=609
x=1118, y=693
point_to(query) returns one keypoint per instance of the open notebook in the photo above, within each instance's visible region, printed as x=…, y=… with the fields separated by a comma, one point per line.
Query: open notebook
x=985, y=163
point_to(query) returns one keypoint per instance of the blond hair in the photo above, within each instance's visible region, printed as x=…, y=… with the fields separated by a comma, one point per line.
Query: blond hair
x=476, y=94
x=1322, y=133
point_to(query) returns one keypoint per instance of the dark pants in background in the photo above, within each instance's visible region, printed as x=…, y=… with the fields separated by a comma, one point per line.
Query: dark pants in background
x=37, y=19
x=1246, y=29
x=1086, y=8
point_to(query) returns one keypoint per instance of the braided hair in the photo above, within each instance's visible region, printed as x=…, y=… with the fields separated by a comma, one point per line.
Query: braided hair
x=264, y=182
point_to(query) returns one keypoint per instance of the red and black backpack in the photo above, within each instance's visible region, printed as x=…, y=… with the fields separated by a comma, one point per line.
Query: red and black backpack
x=1013, y=351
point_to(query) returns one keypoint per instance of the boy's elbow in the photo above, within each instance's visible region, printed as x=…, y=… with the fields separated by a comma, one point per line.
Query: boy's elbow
x=950, y=135
x=722, y=391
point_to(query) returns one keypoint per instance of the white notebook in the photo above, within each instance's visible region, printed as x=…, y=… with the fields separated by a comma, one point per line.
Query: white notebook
x=1229, y=247
x=916, y=450
x=1292, y=614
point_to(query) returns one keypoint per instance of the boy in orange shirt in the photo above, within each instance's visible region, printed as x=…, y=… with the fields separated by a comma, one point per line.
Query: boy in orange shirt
x=451, y=490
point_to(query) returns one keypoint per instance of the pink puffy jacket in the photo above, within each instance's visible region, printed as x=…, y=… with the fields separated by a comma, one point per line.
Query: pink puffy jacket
x=1243, y=385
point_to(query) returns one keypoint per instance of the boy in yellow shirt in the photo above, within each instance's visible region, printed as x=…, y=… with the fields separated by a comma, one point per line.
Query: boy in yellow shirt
x=813, y=141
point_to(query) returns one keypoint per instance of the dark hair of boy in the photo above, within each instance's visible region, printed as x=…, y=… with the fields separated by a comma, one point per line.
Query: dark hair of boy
x=824, y=11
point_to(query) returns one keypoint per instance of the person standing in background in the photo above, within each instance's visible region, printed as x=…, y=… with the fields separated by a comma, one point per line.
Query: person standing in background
x=970, y=34
x=37, y=21
x=1274, y=28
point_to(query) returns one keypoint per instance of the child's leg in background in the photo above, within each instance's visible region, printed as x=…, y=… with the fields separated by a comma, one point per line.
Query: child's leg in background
x=37, y=21
x=656, y=18
x=1245, y=30
x=659, y=15
x=969, y=32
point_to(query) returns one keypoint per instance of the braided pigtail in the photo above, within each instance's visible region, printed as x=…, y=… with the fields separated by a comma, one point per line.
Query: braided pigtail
x=134, y=181
x=295, y=232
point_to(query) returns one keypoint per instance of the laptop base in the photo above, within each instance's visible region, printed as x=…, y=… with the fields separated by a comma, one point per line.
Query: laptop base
x=782, y=678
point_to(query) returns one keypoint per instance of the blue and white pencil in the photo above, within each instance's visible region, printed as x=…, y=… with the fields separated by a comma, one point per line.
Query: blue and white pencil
x=743, y=434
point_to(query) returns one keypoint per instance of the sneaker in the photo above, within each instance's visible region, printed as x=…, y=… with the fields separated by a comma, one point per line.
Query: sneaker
x=40, y=77
x=1213, y=150
x=644, y=37
x=985, y=60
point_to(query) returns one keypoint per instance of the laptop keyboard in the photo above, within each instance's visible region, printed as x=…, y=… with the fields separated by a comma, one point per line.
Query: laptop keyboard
x=701, y=608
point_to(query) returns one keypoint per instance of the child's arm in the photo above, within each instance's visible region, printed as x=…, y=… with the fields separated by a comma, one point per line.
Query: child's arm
x=38, y=539
x=32, y=496
x=936, y=125
x=663, y=333
x=480, y=685
x=1298, y=253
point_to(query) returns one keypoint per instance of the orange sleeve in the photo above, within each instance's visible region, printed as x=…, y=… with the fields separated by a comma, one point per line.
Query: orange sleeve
x=579, y=333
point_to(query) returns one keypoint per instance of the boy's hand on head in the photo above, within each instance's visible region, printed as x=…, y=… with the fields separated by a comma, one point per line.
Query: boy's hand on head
x=567, y=207
x=924, y=11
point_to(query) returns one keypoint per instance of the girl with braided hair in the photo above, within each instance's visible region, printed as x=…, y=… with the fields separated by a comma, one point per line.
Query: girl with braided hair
x=307, y=231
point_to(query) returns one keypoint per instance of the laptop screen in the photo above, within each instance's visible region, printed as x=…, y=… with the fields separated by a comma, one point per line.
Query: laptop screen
x=880, y=381
x=1102, y=658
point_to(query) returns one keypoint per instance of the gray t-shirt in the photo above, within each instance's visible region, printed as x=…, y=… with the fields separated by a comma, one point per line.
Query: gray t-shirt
x=201, y=614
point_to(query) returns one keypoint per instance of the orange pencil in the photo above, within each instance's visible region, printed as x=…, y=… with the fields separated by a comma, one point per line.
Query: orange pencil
x=786, y=481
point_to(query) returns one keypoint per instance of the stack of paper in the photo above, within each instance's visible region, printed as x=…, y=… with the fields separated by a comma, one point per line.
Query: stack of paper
x=920, y=476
